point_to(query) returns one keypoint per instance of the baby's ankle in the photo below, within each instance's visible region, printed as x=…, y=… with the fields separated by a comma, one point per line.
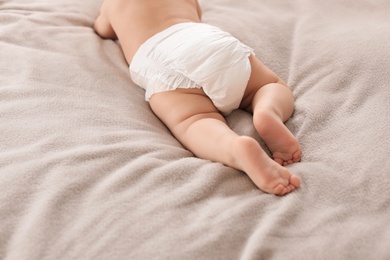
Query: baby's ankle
x=264, y=121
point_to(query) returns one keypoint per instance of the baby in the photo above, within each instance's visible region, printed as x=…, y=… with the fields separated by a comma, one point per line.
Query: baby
x=194, y=74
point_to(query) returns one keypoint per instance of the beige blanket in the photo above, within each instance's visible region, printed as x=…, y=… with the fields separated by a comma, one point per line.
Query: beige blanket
x=88, y=172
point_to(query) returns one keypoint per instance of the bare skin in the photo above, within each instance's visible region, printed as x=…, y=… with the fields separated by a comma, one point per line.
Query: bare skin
x=190, y=114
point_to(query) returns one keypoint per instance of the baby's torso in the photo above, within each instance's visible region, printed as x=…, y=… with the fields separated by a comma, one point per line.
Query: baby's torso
x=135, y=21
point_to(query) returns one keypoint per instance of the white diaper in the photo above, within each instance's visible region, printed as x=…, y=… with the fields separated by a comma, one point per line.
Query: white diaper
x=194, y=55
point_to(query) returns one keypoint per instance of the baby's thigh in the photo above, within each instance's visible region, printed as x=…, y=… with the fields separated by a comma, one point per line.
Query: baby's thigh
x=175, y=107
x=260, y=76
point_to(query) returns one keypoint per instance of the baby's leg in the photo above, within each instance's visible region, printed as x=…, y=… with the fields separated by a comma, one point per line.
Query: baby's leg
x=198, y=125
x=272, y=103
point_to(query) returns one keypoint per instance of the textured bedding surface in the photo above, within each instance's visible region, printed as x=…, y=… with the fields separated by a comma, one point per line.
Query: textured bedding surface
x=88, y=172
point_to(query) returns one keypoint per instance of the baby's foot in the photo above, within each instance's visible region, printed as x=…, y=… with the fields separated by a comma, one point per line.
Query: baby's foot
x=282, y=143
x=264, y=172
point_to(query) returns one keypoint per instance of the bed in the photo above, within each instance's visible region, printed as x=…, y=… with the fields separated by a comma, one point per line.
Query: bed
x=87, y=171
